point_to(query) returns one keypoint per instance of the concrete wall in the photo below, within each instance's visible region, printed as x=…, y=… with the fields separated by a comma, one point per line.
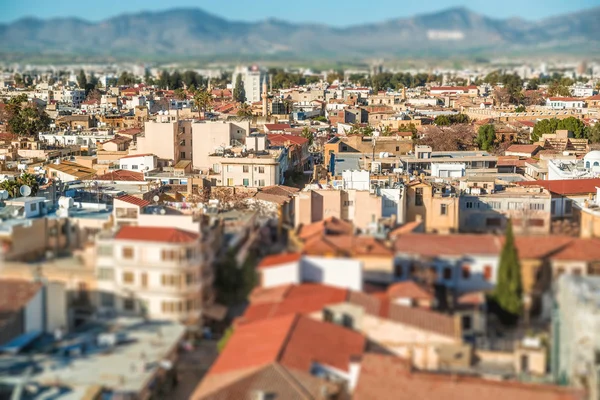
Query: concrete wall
x=343, y=273
x=283, y=274
x=34, y=313
x=208, y=136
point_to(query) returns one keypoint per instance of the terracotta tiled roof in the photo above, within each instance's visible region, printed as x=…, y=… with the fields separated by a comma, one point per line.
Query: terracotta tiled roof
x=277, y=260
x=410, y=290
x=436, y=245
x=384, y=377
x=303, y=299
x=346, y=245
x=280, y=190
x=567, y=99
x=137, y=155
x=409, y=227
x=122, y=175
x=277, y=127
x=523, y=148
x=156, y=234
x=280, y=140
x=422, y=318
x=136, y=201
x=566, y=186
x=331, y=225
x=579, y=250
x=293, y=340
x=14, y=295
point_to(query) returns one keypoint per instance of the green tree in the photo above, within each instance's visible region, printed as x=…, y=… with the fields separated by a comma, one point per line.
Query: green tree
x=81, y=79
x=508, y=293
x=11, y=186
x=486, y=137
x=386, y=131
x=381, y=81
x=574, y=125
x=179, y=94
x=25, y=120
x=203, y=100
x=175, y=80
x=239, y=93
x=18, y=79
x=442, y=120
x=542, y=127
x=224, y=339
x=29, y=180
x=558, y=89
x=594, y=133
x=244, y=110
x=533, y=84
x=164, y=79
x=520, y=109
x=307, y=134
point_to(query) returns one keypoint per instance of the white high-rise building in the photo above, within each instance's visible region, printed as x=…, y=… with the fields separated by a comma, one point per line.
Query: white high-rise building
x=252, y=77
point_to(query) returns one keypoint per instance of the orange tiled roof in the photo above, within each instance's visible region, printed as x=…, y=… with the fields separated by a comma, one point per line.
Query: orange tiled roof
x=566, y=186
x=278, y=259
x=122, y=175
x=348, y=245
x=156, y=234
x=435, y=245
x=136, y=201
x=408, y=289
x=330, y=225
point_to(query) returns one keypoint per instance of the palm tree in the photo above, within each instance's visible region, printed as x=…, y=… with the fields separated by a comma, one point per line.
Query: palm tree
x=29, y=180
x=386, y=131
x=307, y=134
x=11, y=186
x=244, y=110
x=203, y=100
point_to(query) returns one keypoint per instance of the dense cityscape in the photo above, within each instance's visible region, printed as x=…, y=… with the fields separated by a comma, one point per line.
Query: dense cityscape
x=265, y=230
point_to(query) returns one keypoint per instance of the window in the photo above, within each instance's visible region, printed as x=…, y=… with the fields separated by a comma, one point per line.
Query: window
x=513, y=205
x=348, y=203
x=444, y=209
x=182, y=154
x=560, y=271
x=418, y=196
x=229, y=181
x=144, y=279
x=33, y=207
x=466, y=272
x=104, y=250
x=261, y=170
x=553, y=208
x=229, y=168
x=134, y=166
x=261, y=182
x=245, y=168
x=568, y=206
x=107, y=299
x=496, y=205
x=127, y=253
x=106, y=274
x=466, y=322
x=216, y=168
x=131, y=213
x=129, y=304
x=487, y=272
x=169, y=255
x=447, y=273
x=536, y=222
x=398, y=271
x=128, y=278
x=347, y=321
x=577, y=271
x=594, y=268
x=397, y=148
x=327, y=316
x=536, y=206
x=469, y=204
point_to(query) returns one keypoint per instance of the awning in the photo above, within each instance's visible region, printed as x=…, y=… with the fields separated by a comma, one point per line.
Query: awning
x=216, y=312
x=18, y=343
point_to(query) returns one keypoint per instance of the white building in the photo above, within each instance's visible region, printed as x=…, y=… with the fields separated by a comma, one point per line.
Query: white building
x=295, y=269
x=448, y=170
x=574, y=169
x=73, y=97
x=582, y=91
x=561, y=103
x=139, y=162
x=252, y=77
x=160, y=272
x=359, y=180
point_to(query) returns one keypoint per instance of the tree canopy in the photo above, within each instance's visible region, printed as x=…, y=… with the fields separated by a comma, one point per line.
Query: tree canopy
x=239, y=93
x=25, y=120
x=486, y=137
x=445, y=120
x=508, y=293
x=552, y=125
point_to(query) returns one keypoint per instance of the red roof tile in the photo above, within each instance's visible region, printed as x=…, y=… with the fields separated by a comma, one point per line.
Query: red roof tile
x=277, y=127
x=331, y=225
x=137, y=155
x=156, y=234
x=435, y=245
x=136, y=201
x=523, y=148
x=410, y=290
x=279, y=259
x=281, y=140
x=346, y=245
x=566, y=186
x=566, y=99
x=384, y=377
x=122, y=175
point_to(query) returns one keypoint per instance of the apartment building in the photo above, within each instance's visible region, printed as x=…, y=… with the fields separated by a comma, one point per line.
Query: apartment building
x=528, y=208
x=435, y=204
x=160, y=272
x=169, y=138
x=252, y=78
x=208, y=137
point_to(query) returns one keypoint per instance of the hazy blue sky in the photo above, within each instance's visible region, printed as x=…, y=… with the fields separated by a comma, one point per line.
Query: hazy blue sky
x=333, y=12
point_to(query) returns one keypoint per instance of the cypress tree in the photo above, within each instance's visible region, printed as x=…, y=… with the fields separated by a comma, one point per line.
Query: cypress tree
x=509, y=291
x=239, y=93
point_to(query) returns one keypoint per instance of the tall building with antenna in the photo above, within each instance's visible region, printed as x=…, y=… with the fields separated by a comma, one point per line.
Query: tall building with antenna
x=252, y=77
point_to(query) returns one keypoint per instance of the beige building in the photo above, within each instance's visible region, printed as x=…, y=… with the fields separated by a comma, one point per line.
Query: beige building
x=430, y=203
x=169, y=138
x=360, y=207
x=209, y=136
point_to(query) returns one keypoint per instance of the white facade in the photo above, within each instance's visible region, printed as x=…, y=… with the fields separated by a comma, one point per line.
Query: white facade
x=73, y=97
x=582, y=91
x=557, y=103
x=84, y=138
x=359, y=180
x=339, y=272
x=252, y=77
x=141, y=163
x=448, y=170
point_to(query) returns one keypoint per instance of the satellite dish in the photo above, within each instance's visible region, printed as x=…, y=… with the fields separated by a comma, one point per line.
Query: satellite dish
x=25, y=190
x=156, y=199
x=163, y=211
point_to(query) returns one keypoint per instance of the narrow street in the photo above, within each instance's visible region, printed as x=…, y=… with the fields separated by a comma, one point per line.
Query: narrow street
x=192, y=367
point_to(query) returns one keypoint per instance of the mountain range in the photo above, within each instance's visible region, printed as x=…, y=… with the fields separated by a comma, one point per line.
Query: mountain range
x=194, y=33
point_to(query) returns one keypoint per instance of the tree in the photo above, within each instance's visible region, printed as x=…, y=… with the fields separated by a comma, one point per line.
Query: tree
x=552, y=125
x=224, y=339
x=533, y=84
x=386, y=131
x=179, y=94
x=94, y=95
x=164, y=80
x=452, y=138
x=509, y=291
x=244, y=110
x=25, y=120
x=486, y=137
x=13, y=186
x=239, y=93
x=203, y=100
x=520, y=109
x=442, y=120
x=574, y=125
x=533, y=98
x=542, y=127
x=18, y=79
x=557, y=89
x=594, y=133
x=307, y=134
x=81, y=79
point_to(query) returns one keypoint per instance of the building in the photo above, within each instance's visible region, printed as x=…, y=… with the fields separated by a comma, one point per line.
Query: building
x=139, y=162
x=210, y=137
x=68, y=171
x=435, y=204
x=575, y=339
x=252, y=78
x=160, y=272
x=423, y=158
x=561, y=103
x=168, y=138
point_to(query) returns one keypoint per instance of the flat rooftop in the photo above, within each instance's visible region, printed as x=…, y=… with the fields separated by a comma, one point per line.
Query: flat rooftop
x=126, y=367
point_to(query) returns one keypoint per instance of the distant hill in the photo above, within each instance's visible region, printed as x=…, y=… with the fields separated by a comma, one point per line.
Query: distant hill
x=193, y=33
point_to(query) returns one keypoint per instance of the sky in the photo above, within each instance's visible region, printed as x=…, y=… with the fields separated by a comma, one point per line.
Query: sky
x=331, y=12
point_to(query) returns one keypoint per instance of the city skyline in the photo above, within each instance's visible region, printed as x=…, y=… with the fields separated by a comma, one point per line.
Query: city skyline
x=329, y=13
